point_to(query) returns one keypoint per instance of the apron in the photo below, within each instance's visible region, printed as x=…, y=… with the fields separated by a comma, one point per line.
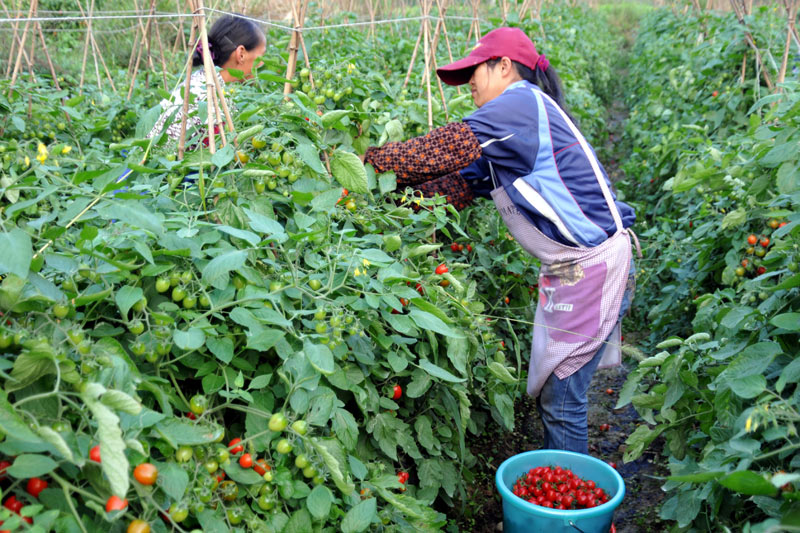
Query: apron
x=580, y=289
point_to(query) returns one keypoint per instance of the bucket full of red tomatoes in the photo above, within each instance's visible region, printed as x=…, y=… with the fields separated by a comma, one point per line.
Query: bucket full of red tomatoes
x=558, y=491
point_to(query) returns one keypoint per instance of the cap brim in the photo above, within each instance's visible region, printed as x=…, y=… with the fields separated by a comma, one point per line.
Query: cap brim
x=460, y=72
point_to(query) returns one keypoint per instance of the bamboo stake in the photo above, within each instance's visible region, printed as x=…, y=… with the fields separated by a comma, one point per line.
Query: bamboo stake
x=163, y=61
x=14, y=39
x=306, y=60
x=294, y=41
x=439, y=84
x=22, y=45
x=413, y=57
x=186, y=87
x=210, y=74
x=99, y=55
x=426, y=29
x=790, y=17
x=47, y=57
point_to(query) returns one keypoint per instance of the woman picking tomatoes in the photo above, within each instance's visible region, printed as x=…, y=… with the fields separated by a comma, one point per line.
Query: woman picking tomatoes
x=522, y=149
x=234, y=43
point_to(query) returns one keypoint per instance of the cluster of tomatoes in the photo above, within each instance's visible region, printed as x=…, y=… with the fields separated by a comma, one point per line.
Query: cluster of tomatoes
x=34, y=487
x=558, y=488
x=757, y=246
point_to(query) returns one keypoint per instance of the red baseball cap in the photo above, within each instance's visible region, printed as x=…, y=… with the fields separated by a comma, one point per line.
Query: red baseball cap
x=508, y=42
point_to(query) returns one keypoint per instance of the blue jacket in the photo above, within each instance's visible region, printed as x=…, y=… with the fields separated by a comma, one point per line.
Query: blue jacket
x=539, y=161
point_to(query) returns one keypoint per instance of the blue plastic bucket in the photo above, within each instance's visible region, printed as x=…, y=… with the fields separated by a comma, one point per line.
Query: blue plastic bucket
x=520, y=516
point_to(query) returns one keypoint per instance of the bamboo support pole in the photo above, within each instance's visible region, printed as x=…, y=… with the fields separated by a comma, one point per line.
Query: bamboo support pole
x=790, y=18
x=413, y=57
x=210, y=74
x=22, y=45
x=294, y=42
x=426, y=28
x=163, y=60
x=47, y=57
x=187, y=86
x=741, y=12
x=14, y=38
x=306, y=60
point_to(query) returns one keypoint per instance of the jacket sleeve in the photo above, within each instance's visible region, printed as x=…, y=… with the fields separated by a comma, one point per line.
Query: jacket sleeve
x=442, y=151
x=453, y=186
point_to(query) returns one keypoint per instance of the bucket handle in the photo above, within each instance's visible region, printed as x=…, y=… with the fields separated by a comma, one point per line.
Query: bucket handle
x=576, y=527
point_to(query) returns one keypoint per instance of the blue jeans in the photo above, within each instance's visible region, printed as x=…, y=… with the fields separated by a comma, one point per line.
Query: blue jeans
x=562, y=404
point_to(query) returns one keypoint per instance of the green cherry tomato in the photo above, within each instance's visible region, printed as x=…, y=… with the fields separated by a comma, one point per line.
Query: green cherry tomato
x=178, y=294
x=223, y=456
x=321, y=327
x=178, y=512
x=60, y=310
x=284, y=447
x=162, y=284
x=211, y=466
x=267, y=476
x=140, y=306
x=184, y=454
x=136, y=327
x=186, y=276
x=151, y=356
x=274, y=286
x=318, y=480
x=278, y=422
x=235, y=515
x=309, y=472
x=229, y=490
x=189, y=302
x=204, y=494
x=301, y=461
x=138, y=348
x=198, y=404
x=300, y=427
x=266, y=502
x=320, y=314
x=315, y=284
x=205, y=301
x=239, y=282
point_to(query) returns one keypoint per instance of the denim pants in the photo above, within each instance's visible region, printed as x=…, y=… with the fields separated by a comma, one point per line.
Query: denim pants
x=562, y=404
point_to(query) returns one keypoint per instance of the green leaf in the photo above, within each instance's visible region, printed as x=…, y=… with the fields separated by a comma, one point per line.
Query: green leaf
x=30, y=465
x=735, y=218
x=310, y=156
x=173, y=480
x=427, y=321
x=428, y=307
x=348, y=170
x=326, y=201
x=265, y=339
x=133, y=214
x=748, y=482
x=699, y=477
x=345, y=428
x=332, y=117
x=319, y=502
x=387, y=183
x=335, y=461
x=263, y=224
x=439, y=372
x=211, y=523
x=753, y=360
x=17, y=253
x=499, y=371
x=245, y=235
x=749, y=386
x=300, y=522
x=638, y=441
x=184, y=432
x=790, y=321
x=192, y=339
x=216, y=271
x=13, y=424
x=57, y=441
x=360, y=517
x=112, y=445
x=221, y=347
x=116, y=399
x=245, y=476
x=223, y=156
x=127, y=296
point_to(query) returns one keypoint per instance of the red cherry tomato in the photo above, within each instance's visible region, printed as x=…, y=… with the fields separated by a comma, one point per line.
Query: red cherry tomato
x=397, y=392
x=246, y=460
x=261, y=467
x=752, y=239
x=115, y=503
x=764, y=242
x=442, y=269
x=232, y=446
x=12, y=504
x=3, y=466
x=35, y=485
x=94, y=453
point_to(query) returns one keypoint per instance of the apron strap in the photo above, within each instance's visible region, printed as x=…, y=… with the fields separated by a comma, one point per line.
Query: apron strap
x=612, y=206
x=636, y=242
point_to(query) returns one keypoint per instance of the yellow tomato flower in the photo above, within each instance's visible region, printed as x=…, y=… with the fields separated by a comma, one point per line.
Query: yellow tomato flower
x=403, y=199
x=748, y=424
x=350, y=68
x=66, y=150
x=365, y=262
x=357, y=272
x=27, y=161
x=42, y=153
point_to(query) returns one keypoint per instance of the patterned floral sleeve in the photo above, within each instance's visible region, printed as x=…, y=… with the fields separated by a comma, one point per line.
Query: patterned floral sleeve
x=453, y=186
x=442, y=151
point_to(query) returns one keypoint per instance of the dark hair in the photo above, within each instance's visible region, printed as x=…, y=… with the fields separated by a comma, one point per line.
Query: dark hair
x=226, y=35
x=547, y=80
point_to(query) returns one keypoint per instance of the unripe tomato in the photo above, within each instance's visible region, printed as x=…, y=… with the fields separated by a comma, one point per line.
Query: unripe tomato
x=94, y=453
x=773, y=223
x=319, y=314
x=223, y=455
x=284, y=447
x=740, y=271
x=300, y=427
x=139, y=526
x=242, y=157
x=267, y=476
x=162, y=284
x=211, y=466
x=189, y=302
x=309, y=472
x=266, y=502
x=198, y=404
x=229, y=490
x=136, y=327
x=278, y=422
x=301, y=461
x=145, y=473
x=60, y=310
x=178, y=294
x=315, y=284
x=140, y=306
x=178, y=512
x=184, y=454
x=115, y=503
